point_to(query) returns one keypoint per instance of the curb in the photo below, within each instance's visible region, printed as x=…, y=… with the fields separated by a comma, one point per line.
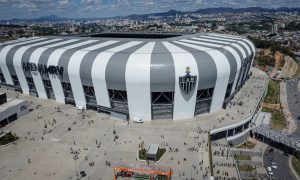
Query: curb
x=292, y=168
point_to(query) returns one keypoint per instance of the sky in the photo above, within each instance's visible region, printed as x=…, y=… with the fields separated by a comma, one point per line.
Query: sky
x=109, y=8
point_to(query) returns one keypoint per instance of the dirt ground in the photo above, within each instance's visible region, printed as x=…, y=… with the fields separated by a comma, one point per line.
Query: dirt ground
x=289, y=68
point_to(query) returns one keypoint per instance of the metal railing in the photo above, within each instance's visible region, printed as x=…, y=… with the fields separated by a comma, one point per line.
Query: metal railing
x=278, y=136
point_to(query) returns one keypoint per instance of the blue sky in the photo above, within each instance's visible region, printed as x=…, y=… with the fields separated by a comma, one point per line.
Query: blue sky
x=108, y=8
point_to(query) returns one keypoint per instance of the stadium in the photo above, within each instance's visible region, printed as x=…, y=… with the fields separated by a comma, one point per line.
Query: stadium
x=129, y=76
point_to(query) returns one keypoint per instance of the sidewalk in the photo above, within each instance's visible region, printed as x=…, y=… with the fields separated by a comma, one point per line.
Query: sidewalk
x=291, y=122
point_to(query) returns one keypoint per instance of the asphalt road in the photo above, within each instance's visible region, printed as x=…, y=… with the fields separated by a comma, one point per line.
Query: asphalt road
x=293, y=95
x=284, y=172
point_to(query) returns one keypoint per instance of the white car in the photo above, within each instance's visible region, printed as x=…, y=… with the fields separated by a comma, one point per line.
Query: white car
x=138, y=120
x=274, y=167
x=270, y=172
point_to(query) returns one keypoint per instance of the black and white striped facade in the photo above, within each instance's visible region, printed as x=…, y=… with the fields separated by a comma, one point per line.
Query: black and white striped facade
x=129, y=77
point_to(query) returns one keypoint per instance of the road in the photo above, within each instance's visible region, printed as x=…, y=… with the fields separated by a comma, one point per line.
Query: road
x=293, y=95
x=284, y=172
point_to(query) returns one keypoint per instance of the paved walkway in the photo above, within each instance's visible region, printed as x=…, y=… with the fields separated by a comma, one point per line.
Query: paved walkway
x=291, y=122
x=289, y=101
x=223, y=161
x=46, y=148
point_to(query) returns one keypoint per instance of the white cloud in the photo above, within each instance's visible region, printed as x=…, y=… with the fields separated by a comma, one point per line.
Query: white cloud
x=103, y=8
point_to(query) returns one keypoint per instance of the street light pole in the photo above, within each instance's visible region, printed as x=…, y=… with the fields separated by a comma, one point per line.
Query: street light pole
x=75, y=157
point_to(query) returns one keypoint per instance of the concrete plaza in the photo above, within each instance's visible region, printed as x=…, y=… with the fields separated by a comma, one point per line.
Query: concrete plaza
x=46, y=149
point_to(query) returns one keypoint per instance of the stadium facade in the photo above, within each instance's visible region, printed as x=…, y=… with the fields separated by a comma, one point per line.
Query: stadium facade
x=175, y=77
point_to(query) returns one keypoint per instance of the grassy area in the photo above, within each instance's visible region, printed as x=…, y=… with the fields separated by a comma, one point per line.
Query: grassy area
x=246, y=168
x=296, y=164
x=143, y=153
x=160, y=153
x=8, y=138
x=247, y=145
x=272, y=96
x=278, y=120
x=242, y=157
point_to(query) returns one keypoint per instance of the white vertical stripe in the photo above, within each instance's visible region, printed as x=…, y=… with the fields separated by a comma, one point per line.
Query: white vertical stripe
x=183, y=107
x=17, y=60
x=237, y=58
x=232, y=42
x=219, y=38
x=243, y=52
x=241, y=78
x=36, y=76
x=223, y=73
x=202, y=43
x=19, y=40
x=211, y=40
x=251, y=60
x=226, y=36
x=241, y=40
x=238, y=66
x=251, y=44
x=253, y=49
x=232, y=38
x=246, y=46
x=243, y=69
x=74, y=71
x=98, y=72
x=53, y=61
x=137, y=76
x=3, y=56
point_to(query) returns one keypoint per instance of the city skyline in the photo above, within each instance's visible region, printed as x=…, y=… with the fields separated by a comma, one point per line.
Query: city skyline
x=10, y=9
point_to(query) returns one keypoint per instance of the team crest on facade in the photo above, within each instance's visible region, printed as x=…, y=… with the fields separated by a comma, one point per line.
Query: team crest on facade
x=188, y=82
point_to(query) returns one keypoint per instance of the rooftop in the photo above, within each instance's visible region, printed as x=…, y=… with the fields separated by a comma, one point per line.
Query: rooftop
x=153, y=148
x=128, y=43
x=136, y=35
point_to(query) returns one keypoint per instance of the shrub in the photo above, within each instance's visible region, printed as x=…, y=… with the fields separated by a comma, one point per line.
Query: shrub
x=8, y=138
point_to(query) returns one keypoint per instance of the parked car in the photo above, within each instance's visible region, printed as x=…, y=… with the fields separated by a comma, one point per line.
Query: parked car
x=269, y=169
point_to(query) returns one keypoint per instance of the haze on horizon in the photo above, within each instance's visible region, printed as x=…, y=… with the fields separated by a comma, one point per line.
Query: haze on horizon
x=109, y=8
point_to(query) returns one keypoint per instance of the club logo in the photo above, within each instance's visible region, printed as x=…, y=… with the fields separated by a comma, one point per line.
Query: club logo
x=188, y=82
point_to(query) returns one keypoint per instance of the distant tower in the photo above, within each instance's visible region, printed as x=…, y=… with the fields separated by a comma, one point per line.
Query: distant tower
x=274, y=28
